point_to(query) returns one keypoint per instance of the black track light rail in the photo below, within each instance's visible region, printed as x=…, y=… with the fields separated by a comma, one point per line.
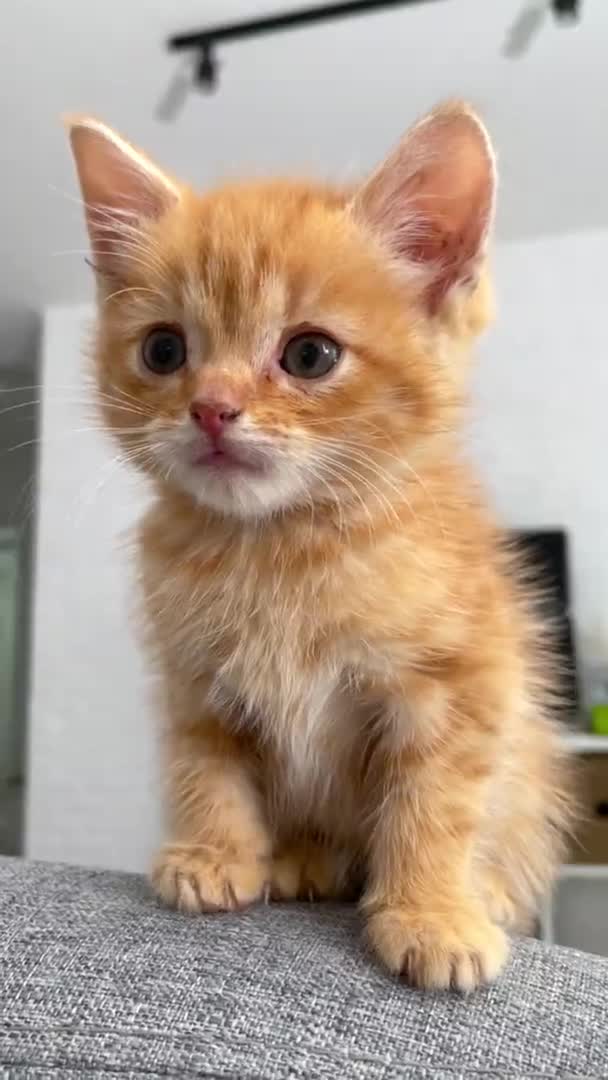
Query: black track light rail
x=270, y=24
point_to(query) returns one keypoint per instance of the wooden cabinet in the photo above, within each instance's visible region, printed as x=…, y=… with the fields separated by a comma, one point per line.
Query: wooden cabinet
x=591, y=843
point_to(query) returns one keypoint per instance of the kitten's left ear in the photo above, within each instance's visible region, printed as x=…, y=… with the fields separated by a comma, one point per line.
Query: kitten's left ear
x=432, y=200
x=120, y=187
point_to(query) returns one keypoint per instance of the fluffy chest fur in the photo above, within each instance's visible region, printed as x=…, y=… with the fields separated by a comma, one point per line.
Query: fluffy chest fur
x=271, y=646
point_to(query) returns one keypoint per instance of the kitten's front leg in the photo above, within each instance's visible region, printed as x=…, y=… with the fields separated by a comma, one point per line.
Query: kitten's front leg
x=219, y=855
x=424, y=918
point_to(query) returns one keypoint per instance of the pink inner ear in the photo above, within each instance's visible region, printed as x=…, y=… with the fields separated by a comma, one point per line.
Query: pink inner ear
x=453, y=203
x=451, y=238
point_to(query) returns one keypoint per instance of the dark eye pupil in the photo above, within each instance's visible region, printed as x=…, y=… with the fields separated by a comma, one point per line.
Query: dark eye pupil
x=309, y=354
x=164, y=351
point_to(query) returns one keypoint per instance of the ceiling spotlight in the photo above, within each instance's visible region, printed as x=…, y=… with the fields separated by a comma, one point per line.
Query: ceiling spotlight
x=566, y=9
x=205, y=70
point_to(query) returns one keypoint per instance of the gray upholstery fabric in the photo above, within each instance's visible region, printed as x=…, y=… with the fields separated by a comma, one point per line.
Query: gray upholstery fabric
x=97, y=980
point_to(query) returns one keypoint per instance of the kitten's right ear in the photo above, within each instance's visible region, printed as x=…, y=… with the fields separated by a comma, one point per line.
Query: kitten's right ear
x=120, y=188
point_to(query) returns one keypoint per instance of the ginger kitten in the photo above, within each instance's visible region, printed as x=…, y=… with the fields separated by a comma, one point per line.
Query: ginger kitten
x=354, y=680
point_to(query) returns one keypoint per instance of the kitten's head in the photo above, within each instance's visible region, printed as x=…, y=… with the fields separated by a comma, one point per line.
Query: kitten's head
x=272, y=345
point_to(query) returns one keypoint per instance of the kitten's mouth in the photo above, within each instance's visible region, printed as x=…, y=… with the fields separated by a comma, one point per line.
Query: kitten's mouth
x=224, y=458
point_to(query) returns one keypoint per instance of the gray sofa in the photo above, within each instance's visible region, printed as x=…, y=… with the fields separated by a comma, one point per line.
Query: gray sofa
x=97, y=981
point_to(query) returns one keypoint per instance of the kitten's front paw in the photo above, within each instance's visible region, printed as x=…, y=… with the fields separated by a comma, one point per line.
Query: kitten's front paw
x=459, y=948
x=501, y=908
x=194, y=879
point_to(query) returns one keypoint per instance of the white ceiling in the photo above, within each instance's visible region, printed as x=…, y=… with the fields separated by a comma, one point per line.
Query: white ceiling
x=330, y=100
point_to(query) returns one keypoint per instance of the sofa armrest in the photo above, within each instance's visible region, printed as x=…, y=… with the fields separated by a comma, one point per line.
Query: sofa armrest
x=96, y=979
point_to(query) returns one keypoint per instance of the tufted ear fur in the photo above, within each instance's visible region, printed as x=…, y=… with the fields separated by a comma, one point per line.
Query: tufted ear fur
x=121, y=188
x=432, y=200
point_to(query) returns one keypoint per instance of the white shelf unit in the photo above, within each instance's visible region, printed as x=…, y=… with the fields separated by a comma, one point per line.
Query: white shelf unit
x=583, y=870
x=579, y=743
x=586, y=743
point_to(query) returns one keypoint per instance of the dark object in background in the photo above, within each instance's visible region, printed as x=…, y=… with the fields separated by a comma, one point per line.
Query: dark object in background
x=566, y=9
x=545, y=553
x=591, y=845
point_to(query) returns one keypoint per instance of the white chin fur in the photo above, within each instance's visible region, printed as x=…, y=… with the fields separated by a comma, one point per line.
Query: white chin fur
x=282, y=478
x=245, y=495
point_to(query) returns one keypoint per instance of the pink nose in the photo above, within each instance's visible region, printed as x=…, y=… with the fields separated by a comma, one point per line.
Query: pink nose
x=213, y=417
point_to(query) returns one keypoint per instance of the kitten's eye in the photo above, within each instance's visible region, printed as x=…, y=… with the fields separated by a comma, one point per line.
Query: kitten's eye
x=164, y=350
x=308, y=356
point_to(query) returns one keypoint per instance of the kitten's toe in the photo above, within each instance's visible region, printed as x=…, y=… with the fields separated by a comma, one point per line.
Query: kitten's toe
x=459, y=948
x=194, y=879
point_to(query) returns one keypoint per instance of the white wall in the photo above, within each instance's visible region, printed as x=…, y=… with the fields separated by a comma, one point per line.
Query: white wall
x=539, y=429
x=540, y=419
x=92, y=790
